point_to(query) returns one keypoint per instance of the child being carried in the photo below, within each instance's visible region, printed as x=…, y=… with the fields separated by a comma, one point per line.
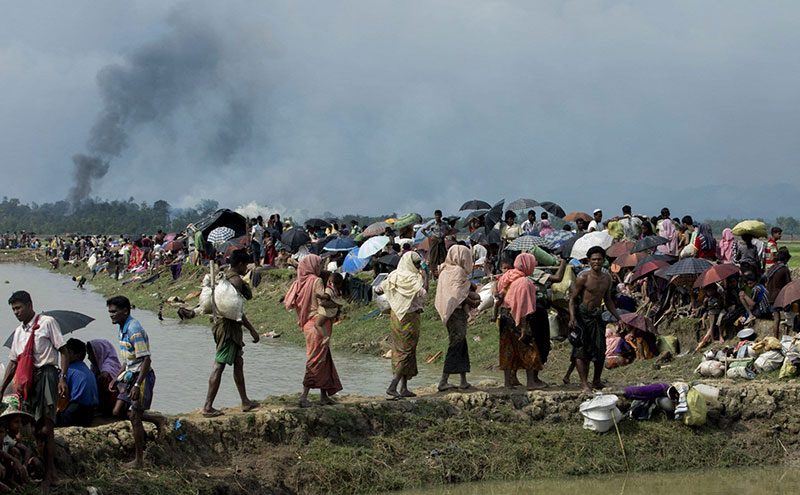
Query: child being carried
x=333, y=294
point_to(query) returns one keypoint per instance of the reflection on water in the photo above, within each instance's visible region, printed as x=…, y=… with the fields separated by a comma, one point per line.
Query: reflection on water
x=757, y=481
x=183, y=353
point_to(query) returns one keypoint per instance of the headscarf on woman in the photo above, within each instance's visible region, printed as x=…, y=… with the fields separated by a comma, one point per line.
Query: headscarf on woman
x=707, y=241
x=521, y=296
x=454, y=282
x=668, y=231
x=105, y=355
x=546, y=228
x=301, y=292
x=403, y=284
x=725, y=247
x=524, y=265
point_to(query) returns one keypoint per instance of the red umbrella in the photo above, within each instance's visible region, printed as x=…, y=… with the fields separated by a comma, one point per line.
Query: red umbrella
x=173, y=246
x=619, y=248
x=638, y=321
x=715, y=274
x=629, y=260
x=648, y=268
x=576, y=215
x=788, y=295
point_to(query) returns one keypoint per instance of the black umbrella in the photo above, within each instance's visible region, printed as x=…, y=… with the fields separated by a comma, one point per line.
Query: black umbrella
x=294, y=238
x=553, y=209
x=391, y=259
x=475, y=204
x=316, y=248
x=69, y=321
x=481, y=236
x=649, y=242
x=566, y=248
x=688, y=266
x=494, y=215
x=477, y=214
x=317, y=223
x=523, y=204
x=273, y=233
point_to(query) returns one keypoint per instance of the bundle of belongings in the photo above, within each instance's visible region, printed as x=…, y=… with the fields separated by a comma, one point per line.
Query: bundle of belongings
x=678, y=401
x=751, y=357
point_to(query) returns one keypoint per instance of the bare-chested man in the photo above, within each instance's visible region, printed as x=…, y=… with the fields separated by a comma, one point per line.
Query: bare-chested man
x=585, y=311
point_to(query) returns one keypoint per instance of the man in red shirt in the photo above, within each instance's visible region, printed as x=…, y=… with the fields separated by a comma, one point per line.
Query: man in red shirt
x=772, y=246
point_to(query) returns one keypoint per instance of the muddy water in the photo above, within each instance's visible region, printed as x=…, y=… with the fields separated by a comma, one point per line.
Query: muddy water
x=183, y=353
x=758, y=481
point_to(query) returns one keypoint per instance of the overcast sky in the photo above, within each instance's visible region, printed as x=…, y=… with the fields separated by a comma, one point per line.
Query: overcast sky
x=371, y=106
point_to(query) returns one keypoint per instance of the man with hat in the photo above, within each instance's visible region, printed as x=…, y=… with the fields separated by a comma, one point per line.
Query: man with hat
x=36, y=347
x=597, y=221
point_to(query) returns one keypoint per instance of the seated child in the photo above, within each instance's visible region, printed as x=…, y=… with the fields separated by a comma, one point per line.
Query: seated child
x=333, y=294
x=16, y=458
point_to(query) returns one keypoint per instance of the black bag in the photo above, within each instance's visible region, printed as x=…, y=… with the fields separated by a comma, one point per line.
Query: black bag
x=575, y=336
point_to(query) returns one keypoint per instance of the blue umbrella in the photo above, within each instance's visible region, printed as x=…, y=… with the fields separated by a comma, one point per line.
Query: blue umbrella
x=352, y=263
x=558, y=237
x=340, y=244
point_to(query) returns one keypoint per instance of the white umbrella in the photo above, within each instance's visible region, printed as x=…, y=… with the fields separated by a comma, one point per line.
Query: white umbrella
x=372, y=246
x=589, y=241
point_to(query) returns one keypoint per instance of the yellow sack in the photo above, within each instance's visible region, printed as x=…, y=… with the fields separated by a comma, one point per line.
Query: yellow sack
x=788, y=370
x=562, y=289
x=696, y=416
x=766, y=344
x=752, y=227
x=616, y=230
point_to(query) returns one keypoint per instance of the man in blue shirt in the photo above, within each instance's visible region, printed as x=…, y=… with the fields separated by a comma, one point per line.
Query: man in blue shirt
x=83, y=396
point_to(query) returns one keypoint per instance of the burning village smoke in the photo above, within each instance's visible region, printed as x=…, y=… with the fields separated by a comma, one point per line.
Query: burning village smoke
x=180, y=70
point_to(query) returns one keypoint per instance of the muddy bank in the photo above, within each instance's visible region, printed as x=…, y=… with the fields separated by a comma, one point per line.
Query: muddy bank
x=368, y=445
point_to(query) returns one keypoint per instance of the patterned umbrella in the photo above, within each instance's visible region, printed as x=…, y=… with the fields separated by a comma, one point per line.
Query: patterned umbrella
x=407, y=220
x=649, y=242
x=688, y=266
x=527, y=243
x=558, y=237
x=715, y=274
x=376, y=228
x=475, y=204
x=220, y=235
x=352, y=263
x=522, y=204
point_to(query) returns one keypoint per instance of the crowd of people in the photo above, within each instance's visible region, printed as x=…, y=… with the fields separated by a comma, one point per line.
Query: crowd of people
x=483, y=271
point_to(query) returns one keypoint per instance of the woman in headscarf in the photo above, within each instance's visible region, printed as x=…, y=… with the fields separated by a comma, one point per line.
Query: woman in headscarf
x=304, y=297
x=667, y=230
x=725, y=247
x=454, y=295
x=405, y=289
x=524, y=326
x=546, y=228
x=705, y=243
x=105, y=366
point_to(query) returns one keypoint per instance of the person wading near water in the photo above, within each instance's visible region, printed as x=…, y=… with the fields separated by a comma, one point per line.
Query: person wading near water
x=405, y=289
x=436, y=233
x=36, y=347
x=228, y=337
x=137, y=377
x=455, y=294
x=304, y=296
x=592, y=288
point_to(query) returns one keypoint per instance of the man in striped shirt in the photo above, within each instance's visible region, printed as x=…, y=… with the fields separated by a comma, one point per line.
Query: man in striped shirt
x=137, y=377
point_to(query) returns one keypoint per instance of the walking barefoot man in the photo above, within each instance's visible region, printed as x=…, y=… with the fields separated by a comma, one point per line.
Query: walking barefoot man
x=228, y=337
x=585, y=312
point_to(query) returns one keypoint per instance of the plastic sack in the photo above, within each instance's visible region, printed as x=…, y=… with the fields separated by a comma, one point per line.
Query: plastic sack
x=92, y=262
x=752, y=227
x=382, y=302
x=741, y=372
x=688, y=252
x=711, y=369
x=696, y=415
x=561, y=290
x=769, y=361
x=668, y=343
x=788, y=370
x=555, y=328
x=789, y=344
x=597, y=412
x=227, y=299
x=487, y=299
x=616, y=230
x=543, y=258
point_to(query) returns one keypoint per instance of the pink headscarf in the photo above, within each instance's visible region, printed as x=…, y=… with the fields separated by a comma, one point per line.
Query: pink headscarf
x=667, y=230
x=524, y=265
x=521, y=296
x=546, y=228
x=454, y=282
x=725, y=247
x=301, y=292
